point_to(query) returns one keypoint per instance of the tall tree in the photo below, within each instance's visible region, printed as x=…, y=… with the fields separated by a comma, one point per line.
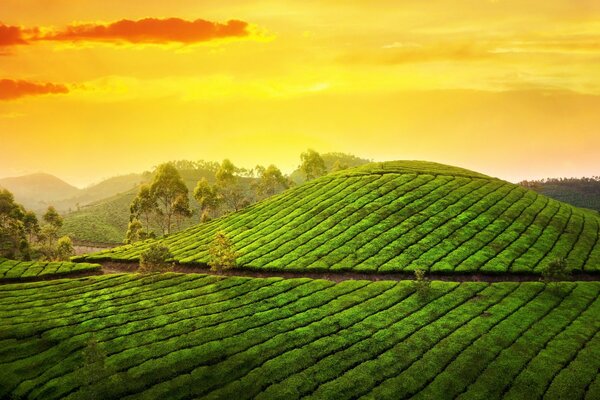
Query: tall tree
x=270, y=181
x=166, y=187
x=181, y=209
x=208, y=198
x=52, y=217
x=31, y=225
x=13, y=239
x=49, y=231
x=229, y=186
x=144, y=206
x=312, y=164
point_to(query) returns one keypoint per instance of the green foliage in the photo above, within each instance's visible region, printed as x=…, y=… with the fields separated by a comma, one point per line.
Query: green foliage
x=53, y=218
x=208, y=198
x=270, y=181
x=580, y=192
x=13, y=228
x=135, y=231
x=422, y=284
x=198, y=336
x=155, y=259
x=167, y=188
x=144, y=206
x=64, y=249
x=393, y=216
x=222, y=254
x=312, y=165
x=230, y=191
x=556, y=270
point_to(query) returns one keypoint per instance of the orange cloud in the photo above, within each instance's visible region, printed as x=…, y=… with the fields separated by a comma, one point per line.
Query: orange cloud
x=11, y=35
x=14, y=89
x=147, y=30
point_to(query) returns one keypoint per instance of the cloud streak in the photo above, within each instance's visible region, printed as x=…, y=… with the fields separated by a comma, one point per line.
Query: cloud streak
x=125, y=31
x=14, y=89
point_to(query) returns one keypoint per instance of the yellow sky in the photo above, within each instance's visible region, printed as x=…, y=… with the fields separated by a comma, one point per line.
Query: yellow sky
x=508, y=88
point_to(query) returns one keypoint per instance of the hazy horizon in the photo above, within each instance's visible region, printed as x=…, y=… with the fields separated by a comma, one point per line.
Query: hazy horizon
x=507, y=88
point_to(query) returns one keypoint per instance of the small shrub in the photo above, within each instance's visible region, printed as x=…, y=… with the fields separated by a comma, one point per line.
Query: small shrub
x=422, y=284
x=556, y=270
x=222, y=253
x=155, y=259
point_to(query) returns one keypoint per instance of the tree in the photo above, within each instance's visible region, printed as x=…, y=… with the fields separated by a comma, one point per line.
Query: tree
x=181, y=209
x=64, y=249
x=52, y=217
x=208, y=198
x=166, y=187
x=312, y=165
x=135, y=231
x=421, y=283
x=93, y=370
x=229, y=186
x=555, y=272
x=31, y=225
x=338, y=166
x=155, y=258
x=144, y=206
x=13, y=238
x=222, y=255
x=270, y=181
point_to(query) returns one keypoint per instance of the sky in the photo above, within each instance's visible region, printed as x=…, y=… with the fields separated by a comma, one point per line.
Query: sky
x=95, y=88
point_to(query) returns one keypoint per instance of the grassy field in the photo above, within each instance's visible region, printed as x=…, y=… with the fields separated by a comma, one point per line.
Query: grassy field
x=189, y=336
x=398, y=216
x=22, y=270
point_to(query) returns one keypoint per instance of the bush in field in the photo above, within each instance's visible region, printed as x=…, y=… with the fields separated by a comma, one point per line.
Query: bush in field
x=222, y=253
x=556, y=270
x=422, y=284
x=64, y=248
x=155, y=259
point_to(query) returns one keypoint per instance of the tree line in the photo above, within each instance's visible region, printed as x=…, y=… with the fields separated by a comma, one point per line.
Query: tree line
x=165, y=201
x=24, y=237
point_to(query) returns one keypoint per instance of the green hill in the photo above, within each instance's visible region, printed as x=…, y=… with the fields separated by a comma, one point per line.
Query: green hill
x=395, y=216
x=581, y=192
x=175, y=336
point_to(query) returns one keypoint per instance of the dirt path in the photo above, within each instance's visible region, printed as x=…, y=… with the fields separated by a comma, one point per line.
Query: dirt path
x=114, y=267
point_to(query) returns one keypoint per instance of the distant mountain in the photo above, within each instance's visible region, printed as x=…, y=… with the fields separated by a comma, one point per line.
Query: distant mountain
x=580, y=192
x=103, y=190
x=38, y=191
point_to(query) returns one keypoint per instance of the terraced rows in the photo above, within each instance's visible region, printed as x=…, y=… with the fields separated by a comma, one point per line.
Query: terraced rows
x=29, y=270
x=183, y=336
x=397, y=216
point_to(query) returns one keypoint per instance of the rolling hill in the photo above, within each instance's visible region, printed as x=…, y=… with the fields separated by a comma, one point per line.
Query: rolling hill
x=177, y=336
x=397, y=216
x=37, y=191
x=581, y=192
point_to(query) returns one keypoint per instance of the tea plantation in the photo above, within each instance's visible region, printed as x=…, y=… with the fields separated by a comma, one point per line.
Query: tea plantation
x=397, y=216
x=184, y=336
x=30, y=270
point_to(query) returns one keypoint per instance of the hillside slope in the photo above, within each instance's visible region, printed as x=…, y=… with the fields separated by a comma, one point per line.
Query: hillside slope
x=38, y=191
x=397, y=216
x=174, y=336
